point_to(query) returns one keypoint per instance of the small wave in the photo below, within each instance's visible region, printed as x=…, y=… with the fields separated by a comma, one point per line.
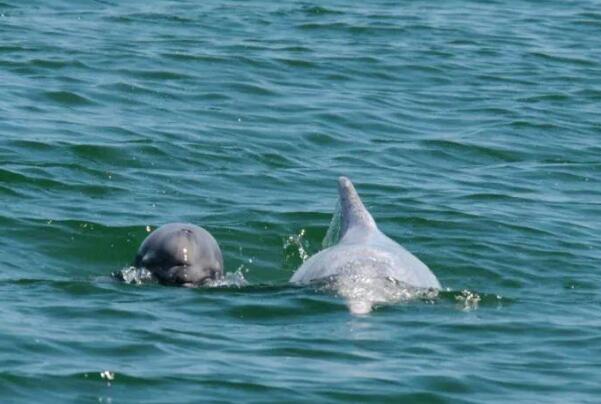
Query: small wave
x=319, y=10
x=56, y=64
x=160, y=75
x=149, y=17
x=68, y=98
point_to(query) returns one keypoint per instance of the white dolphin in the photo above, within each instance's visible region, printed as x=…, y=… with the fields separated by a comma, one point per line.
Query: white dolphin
x=368, y=267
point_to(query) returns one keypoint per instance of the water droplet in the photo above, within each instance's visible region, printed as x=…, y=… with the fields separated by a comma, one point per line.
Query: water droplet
x=107, y=374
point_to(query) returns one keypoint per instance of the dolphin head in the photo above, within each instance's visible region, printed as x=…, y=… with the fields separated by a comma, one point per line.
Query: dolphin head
x=181, y=254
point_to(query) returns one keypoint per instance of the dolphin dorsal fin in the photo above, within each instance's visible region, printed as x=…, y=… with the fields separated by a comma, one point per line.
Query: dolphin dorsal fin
x=354, y=214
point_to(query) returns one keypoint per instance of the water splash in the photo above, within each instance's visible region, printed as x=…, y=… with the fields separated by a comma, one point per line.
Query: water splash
x=468, y=300
x=139, y=276
x=230, y=279
x=136, y=276
x=296, y=246
x=363, y=293
x=108, y=376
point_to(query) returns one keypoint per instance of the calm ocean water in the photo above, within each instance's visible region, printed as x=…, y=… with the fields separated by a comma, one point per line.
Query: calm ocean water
x=472, y=130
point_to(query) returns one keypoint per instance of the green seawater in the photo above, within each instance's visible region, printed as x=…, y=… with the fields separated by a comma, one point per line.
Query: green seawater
x=471, y=129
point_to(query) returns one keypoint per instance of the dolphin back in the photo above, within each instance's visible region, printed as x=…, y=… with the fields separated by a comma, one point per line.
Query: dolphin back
x=354, y=214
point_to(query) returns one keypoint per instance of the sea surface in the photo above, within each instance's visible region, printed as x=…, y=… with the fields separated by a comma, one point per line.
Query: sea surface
x=471, y=129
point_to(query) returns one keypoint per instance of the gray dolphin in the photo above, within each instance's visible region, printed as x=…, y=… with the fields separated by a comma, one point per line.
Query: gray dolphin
x=181, y=254
x=363, y=252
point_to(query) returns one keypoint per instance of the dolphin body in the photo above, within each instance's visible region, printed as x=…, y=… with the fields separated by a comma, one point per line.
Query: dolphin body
x=365, y=262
